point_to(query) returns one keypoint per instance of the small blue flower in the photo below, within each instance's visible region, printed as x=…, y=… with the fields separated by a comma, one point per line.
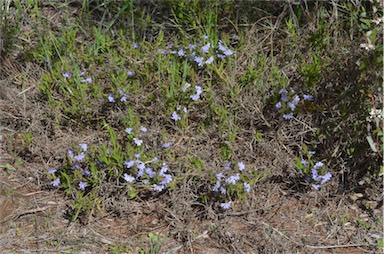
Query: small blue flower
x=199, y=61
x=130, y=73
x=308, y=97
x=291, y=105
x=145, y=181
x=315, y=186
x=206, y=47
x=296, y=100
x=205, y=37
x=217, y=186
x=110, y=98
x=241, y=165
x=86, y=173
x=209, y=60
x=288, y=116
x=137, y=155
x=70, y=154
x=52, y=171
x=128, y=130
x=226, y=205
x=129, y=163
x=135, y=45
x=167, y=180
x=166, y=145
x=149, y=171
x=143, y=129
x=138, y=142
x=233, y=179
x=158, y=188
x=66, y=75
x=84, y=147
x=124, y=98
x=219, y=176
x=181, y=52
x=318, y=164
x=247, y=187
x=195, y=97
x=89, y=80
x=129, y=178
x=227, y=166
x=278, y=105
x=223, y=190
x=79, y=157
x=82, y=185
x=56, y=182
x=175, y=116
x=284, y=93
x=186, y=86
x=325, y=178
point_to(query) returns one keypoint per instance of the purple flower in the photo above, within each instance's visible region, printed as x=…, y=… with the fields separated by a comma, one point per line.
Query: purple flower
x=140, y=165
x=191, y=46
x=124, y=98
x=86, y=173
x=163, y=169
x=291, y=105
x=223, y=190
x=89, y=80
x=181, y=52
x=288, y=116
x=130, y=73
x=210, y=60
x=166, y=145
x=135, y=45
x=283, y=92
x=128, y=130
x=145, y=181
x=241, y=165
x=315, y=186
x=206, y=47
x=52, y=171
x=217, y=186
x=227, y=166
x=84, y=147
x=110, y=98
x=129, y=178
x=233, y=179
x=143, y=129
x=79, y=157
x=129, y=163
x=66, y=75
x=195, y=97
x=167, y=180
x=296, y=100
x=158, y=187
x=149, y=171
x=56, y=182
x=137, y=156
x=82, y=185
x=226, y=205
x=318, y=164
x=199, y=61
x=304, y=162
x=278, y=105
x=185, y=110
x=325, y=178
x=138, y=142
x=308, y=97
x=178, y=107
x=186, y=86
x=70, y=154
x=205, y=37
x=219, y=176
x=175, y=116
x=247, y=187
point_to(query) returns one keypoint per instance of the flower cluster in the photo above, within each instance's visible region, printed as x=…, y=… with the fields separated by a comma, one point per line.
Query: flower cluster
x=68, y=75
x=203, y=53
x=225, y=180
x=288, y=102
x=315, y=172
